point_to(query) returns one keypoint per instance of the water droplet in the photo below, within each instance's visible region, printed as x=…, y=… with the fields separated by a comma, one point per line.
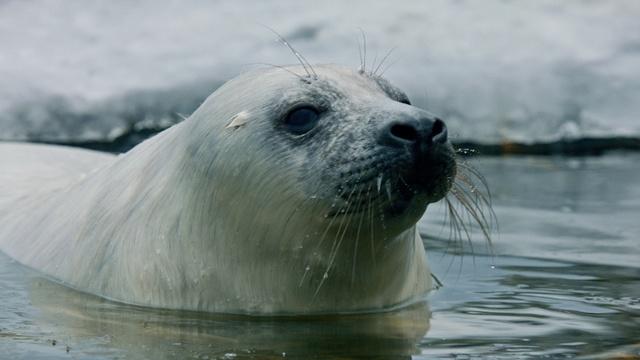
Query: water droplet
x=307, y=268
x=325, y=276
x=493, y=266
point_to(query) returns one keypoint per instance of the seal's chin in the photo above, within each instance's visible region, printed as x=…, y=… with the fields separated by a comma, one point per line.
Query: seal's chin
x=394, y=198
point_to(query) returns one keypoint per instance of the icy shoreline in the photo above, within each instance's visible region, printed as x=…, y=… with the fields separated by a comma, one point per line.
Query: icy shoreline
x=499, y=72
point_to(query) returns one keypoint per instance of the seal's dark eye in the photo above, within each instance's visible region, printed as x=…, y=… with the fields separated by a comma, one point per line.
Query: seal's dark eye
x=301, y=120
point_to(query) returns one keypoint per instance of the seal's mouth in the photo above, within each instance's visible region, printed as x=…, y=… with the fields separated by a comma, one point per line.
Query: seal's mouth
x=395, y=191
x=392, y=197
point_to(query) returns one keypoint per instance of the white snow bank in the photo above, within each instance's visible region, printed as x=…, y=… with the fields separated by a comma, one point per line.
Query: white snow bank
x=494, y=70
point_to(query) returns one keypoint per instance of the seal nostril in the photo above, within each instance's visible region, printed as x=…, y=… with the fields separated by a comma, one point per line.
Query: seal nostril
x=405, y=132
x=439, y=131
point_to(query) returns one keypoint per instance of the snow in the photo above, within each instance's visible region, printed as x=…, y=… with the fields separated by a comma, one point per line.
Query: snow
x=525, y=71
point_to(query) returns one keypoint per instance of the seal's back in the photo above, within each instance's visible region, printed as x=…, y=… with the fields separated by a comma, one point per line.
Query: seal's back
x=29, y=169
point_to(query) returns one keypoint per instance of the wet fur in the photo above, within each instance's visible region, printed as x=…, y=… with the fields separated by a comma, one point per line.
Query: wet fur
x=234, y=220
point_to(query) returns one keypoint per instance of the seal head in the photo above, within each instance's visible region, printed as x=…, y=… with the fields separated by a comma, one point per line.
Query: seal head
x=349, y=141
x=336, y=170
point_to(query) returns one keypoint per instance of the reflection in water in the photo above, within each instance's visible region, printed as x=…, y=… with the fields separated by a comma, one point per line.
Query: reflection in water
x=158, y=334
x=534, y=308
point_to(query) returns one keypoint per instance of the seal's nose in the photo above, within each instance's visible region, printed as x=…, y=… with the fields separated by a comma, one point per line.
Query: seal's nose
x=423, y=132
x=438, y=132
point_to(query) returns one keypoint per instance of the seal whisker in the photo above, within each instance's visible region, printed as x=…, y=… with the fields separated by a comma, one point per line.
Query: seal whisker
x=382, y=219
x=466, y=226
x=335, y=246
x=473, y=201
x=373, y=63
x=359, y=55
x=453, y=237
x=340, y=227
x=474, y=209
x=355, y=250
x=477, y=207
x=464, y=176
x=470, y=188
x=371, y=224
x=477, y=200
x=470, y=193
x=374, y=73
x=460, y=229
x=303, y=61
x=281, y=68
x=307, y=267
x=387, y=187
x=388, y=67
x=363, y=62
x=326, y=230
x=447, y=222
x=379, y=182
x=473, y=171
x=453, y=219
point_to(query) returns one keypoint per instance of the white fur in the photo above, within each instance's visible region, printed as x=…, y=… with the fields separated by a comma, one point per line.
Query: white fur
x=201, y=217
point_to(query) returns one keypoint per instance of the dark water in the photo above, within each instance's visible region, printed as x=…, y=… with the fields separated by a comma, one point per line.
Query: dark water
x=561, y=281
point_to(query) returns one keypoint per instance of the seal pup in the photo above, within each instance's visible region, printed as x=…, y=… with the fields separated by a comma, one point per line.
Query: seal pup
x=290, y=190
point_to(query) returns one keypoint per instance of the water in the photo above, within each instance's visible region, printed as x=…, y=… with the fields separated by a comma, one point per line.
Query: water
x=561, y=281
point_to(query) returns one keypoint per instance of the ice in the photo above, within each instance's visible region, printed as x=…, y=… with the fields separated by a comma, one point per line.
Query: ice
x=494, y=70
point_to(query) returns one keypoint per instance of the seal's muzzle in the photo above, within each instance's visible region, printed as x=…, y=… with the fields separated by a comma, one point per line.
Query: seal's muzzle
x=426, y=140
